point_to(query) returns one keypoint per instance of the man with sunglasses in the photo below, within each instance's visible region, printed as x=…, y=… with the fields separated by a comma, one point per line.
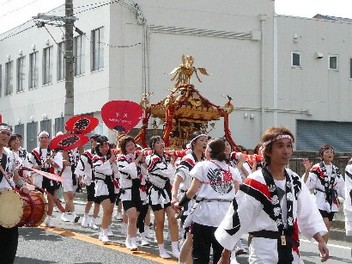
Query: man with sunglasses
x=8, y=177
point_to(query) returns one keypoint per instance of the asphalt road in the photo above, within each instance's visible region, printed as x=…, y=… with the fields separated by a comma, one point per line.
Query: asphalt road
x=71, y=243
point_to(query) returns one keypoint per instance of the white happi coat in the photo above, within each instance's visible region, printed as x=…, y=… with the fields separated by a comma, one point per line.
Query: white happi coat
x=102, y=169
x=215, y=193
x=348, y=200
x=130, y=171
x=38, y=157
x=182, y=170
x=85, y=167
x=13, y=162
x=246, y=214
x=314, y=182
x=66, y=174
x=160, y=174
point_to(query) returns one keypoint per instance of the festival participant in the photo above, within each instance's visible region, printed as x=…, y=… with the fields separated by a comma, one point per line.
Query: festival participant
x=348, y=200
x=119, y=215
x=85, y=173
x=238, y=162
x=325, y=179
x=181, y=185
x=45, y=159
x=8, y=176
x=15, y=146
x=215, y=184
x=275, y=206
x=161, y=172
x=132, y=171
x=70, y=183
x=106, y=173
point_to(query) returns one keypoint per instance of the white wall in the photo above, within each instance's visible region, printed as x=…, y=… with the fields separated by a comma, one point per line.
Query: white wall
x=325, y=93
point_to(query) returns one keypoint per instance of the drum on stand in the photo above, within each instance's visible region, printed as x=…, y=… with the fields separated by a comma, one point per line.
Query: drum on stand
x=19, y=209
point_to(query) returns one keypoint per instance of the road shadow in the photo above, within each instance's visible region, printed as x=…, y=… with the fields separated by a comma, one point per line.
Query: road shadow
x=315, y=255
x=33, y=233
x=24, y=260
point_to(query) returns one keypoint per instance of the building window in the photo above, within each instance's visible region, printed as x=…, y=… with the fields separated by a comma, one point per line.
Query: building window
x=296, y=59
x=32, y=135
x=61, y=63
x=78, y=51
x=350, y=68
x=333, y=62
x=45, y=125
x=97, y=49
x=48, y=65
x=19, y=129
x=33, y=70
x=9, y=78
x=21, y=75
x=59, y=124
x=1, y=80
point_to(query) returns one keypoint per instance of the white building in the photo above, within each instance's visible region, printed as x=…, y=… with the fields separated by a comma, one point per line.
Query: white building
x=289, y=71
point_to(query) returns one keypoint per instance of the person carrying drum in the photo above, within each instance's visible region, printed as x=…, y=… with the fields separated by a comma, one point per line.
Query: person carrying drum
x=45, y=159
x=8, y=176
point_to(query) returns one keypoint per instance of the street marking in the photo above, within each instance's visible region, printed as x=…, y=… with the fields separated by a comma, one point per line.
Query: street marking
x=112, y=245
x=329, y=244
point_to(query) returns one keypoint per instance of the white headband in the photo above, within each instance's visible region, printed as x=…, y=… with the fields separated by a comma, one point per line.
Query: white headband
x=195, y=138
x=277, y=138
x=43, y=133
x=5, y=127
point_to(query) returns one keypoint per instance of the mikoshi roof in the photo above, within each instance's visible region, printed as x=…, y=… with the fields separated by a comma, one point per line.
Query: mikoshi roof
x=187, y=104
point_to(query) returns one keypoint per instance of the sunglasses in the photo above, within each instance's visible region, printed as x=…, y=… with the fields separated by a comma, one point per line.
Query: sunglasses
x=5, y=132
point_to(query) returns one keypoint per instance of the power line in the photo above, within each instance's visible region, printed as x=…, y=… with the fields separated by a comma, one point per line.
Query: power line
x=92, y=7
x=113, y=46
x=98, y=6
x=19, y=8
x=6, y=2
x=16, y=33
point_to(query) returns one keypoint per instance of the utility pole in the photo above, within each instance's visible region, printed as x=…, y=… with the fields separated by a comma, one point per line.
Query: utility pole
x=69, y=58
x=68, y=19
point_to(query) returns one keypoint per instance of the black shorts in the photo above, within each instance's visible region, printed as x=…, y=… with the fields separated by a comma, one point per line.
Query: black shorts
x=50, y=186
x=101, y=198
x=158, y=207
x=325, y=214
x=130, y=204
x=91, y=192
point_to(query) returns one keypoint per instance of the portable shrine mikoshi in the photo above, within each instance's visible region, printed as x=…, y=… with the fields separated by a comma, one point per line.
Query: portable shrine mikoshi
x=184, y=110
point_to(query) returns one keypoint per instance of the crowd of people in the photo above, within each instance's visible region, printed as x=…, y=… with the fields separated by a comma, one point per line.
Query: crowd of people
x=210, y=197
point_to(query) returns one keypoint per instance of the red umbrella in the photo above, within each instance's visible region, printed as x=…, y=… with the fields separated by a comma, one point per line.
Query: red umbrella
x=68, y=141
x=121, y=115
x=81, y=124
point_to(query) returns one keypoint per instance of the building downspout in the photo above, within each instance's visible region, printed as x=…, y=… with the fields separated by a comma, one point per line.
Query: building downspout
x=275, y=74
x=145, y=58
x=262, y=77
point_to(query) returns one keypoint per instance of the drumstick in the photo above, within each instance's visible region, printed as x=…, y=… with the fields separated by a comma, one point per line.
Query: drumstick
x=54, y=199
x=5, y=176
x=50, y=176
